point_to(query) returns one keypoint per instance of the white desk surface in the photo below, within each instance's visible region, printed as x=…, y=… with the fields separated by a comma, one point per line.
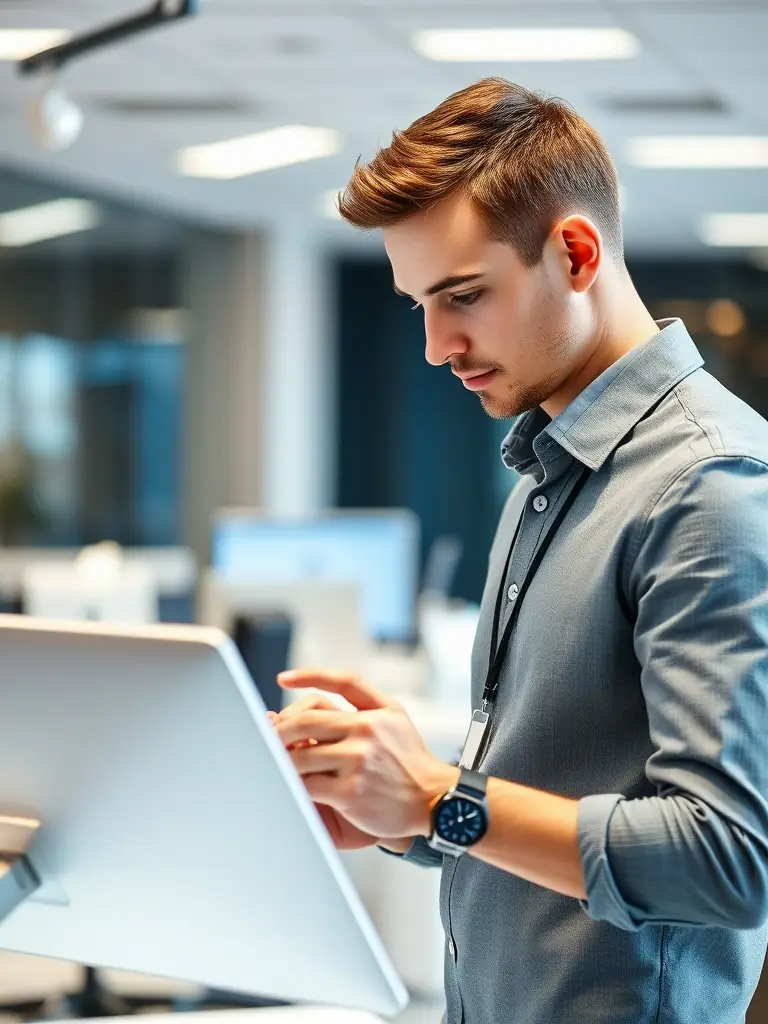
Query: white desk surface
x=281, y=1015
x=175, y=568
x=28, y=978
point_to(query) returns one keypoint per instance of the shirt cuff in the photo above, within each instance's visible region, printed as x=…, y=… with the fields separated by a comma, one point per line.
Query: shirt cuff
x=604, y=901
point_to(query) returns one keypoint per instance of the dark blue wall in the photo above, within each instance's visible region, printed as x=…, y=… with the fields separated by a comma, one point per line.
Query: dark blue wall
x=410, y=435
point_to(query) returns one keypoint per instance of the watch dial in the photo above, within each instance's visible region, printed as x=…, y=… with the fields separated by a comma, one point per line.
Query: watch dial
x=460, y=821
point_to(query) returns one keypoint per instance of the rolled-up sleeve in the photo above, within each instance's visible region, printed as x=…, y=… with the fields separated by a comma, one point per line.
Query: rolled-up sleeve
x=697, y=852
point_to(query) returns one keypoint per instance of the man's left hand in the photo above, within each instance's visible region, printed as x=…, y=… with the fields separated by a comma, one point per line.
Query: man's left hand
x=371, y=765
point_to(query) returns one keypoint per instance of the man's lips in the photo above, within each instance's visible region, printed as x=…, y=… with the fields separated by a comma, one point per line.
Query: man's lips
x=475, y=381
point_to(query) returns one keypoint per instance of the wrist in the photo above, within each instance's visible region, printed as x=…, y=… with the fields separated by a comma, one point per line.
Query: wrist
x=435, y=784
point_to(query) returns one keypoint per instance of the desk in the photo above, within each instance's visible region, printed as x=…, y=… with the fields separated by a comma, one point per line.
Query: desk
x=174, y=569
x=283, y=1015
x=29, y=979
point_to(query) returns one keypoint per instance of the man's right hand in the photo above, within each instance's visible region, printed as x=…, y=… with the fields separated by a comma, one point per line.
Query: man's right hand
x=344, y=834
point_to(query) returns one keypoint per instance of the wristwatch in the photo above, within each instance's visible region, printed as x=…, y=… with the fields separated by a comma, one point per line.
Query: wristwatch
x=460, y=816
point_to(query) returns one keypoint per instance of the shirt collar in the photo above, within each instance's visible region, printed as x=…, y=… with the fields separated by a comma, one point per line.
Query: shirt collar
x=594, y=423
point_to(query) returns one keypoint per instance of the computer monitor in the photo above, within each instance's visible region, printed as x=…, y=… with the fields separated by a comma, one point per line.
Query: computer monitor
x=377, y=549
x=176, y=838
x=326, y=628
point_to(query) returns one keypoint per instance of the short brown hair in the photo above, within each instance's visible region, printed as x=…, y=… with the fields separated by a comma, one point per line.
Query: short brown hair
x=525, y=159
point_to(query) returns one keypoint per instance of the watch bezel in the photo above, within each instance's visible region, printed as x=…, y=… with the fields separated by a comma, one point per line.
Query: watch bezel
x=448, y=798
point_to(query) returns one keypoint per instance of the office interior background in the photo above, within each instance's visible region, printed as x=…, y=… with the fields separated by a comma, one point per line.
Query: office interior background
x=198, y=357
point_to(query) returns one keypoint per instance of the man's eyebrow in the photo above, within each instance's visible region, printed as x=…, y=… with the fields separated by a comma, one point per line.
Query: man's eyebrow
x=446, y=282
x=451, y=282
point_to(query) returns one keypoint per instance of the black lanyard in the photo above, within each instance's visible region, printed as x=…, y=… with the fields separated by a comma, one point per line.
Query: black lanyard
x=499, y=653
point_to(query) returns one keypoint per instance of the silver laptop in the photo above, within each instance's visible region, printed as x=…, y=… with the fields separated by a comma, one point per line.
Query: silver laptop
x=176, y=837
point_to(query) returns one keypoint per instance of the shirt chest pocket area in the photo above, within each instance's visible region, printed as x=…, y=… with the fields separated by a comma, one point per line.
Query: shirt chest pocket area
x=574, y=618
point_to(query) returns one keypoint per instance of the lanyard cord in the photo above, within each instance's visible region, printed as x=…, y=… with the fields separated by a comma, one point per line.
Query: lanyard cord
x=499, y=653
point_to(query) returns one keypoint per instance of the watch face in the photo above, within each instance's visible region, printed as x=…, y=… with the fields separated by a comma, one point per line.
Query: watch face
x=460, y=821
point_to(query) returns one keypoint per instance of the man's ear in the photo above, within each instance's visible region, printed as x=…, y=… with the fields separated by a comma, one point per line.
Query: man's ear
x=579, y=246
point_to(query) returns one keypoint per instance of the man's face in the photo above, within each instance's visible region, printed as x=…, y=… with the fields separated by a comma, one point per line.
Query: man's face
x=512, y=333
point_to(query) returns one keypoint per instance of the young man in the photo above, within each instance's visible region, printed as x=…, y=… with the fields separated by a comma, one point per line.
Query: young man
x=607, y=859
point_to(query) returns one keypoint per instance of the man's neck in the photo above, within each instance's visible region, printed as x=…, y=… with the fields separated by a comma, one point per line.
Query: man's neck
x=633, y=327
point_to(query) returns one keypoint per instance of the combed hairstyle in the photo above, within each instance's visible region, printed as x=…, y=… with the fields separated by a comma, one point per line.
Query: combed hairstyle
x=525, y=160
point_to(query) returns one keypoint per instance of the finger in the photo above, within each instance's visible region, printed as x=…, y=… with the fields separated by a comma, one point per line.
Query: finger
x=272, y=717
x=323, y=726
x=312, y=702
x=301, y=743
x=326, y=789
x=359, y=693
x=334, y=758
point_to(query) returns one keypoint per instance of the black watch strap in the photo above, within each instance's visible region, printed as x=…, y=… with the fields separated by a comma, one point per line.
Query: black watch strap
x=472, y=783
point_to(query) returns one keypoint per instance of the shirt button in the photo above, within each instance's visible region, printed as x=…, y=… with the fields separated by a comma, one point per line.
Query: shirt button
x=513, y=591
x=452, y=948
x=540, y=502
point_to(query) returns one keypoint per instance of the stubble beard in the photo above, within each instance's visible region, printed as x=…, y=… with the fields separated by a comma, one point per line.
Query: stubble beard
x=517, y=401
x=520, y=399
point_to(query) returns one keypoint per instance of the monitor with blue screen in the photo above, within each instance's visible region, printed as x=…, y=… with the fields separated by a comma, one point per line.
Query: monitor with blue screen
x=379, y=550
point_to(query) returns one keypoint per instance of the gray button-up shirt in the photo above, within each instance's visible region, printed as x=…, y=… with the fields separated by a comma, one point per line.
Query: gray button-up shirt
x=636, y=682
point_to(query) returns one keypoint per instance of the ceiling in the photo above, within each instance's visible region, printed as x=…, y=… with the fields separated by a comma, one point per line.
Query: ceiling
x=244, y=65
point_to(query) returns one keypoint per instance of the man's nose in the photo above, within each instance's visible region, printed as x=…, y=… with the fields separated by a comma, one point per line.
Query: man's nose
x=443, y=341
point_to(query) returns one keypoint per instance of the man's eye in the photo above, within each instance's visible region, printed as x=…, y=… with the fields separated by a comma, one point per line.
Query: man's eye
x=466, y=298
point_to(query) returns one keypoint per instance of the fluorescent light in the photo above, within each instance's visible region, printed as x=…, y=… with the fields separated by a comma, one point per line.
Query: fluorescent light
x=47, y=220
x=747, y=230
x=526, y=44
x=292, y=144
x=18, y=43
x=699, y=151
